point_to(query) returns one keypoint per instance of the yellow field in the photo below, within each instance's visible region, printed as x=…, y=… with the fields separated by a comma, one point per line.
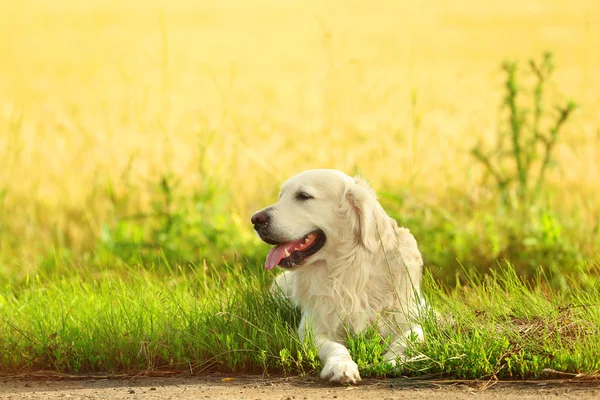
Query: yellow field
x=284, y=86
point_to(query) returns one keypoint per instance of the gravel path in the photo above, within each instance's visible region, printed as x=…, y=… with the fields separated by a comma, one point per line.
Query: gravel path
x=219, y=386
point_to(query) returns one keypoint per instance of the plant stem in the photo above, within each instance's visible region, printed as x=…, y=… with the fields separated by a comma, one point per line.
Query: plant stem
x=515, y=125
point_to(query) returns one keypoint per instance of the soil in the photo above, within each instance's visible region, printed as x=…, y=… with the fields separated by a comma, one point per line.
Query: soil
x=219, y=386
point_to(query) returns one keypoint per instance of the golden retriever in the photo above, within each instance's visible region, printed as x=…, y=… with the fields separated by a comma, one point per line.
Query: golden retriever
x=347, y=264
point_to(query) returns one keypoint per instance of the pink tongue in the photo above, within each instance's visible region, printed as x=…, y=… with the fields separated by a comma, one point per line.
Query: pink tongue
x=277, y=253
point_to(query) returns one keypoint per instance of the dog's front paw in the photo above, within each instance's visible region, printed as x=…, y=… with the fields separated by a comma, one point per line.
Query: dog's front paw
x=395, y=360
x=392, y=358
x=341, y=371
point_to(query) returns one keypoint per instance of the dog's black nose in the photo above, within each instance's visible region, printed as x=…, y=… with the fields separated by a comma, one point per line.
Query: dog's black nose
x=260, y=218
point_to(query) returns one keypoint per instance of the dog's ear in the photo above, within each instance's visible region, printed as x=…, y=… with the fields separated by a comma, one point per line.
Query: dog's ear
x=372, y=219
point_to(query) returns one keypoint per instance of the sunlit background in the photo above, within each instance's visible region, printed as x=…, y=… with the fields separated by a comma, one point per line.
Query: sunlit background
x=102, y=102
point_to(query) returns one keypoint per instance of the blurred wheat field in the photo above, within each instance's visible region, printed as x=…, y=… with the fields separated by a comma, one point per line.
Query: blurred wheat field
x=107, y=93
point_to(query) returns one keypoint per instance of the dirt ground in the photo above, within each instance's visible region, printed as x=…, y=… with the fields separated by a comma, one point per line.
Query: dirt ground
x=292, y=388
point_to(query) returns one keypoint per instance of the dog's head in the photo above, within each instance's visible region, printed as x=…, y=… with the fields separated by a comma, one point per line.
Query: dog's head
x=318, y=212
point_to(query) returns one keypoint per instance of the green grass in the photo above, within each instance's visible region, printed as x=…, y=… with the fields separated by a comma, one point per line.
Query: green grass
x=495, y=326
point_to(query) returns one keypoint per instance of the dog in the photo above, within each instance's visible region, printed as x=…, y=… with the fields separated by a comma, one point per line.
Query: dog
x=348, y=266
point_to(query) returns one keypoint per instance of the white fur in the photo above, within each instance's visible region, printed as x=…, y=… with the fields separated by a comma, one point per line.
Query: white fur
x=368, y=272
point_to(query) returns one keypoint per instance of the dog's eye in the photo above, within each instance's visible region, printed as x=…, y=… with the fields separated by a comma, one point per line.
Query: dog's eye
x=302, y=196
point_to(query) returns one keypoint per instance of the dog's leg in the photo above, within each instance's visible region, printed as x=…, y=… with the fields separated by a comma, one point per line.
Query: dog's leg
x=397, y=347
x=284, y=284
x=338, y=365
x=403, y=327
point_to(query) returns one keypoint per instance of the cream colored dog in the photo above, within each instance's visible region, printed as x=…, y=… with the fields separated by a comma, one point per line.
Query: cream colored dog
x=348, y=265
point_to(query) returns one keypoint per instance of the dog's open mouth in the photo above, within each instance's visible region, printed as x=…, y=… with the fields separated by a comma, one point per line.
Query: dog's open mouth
x=290, y=254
